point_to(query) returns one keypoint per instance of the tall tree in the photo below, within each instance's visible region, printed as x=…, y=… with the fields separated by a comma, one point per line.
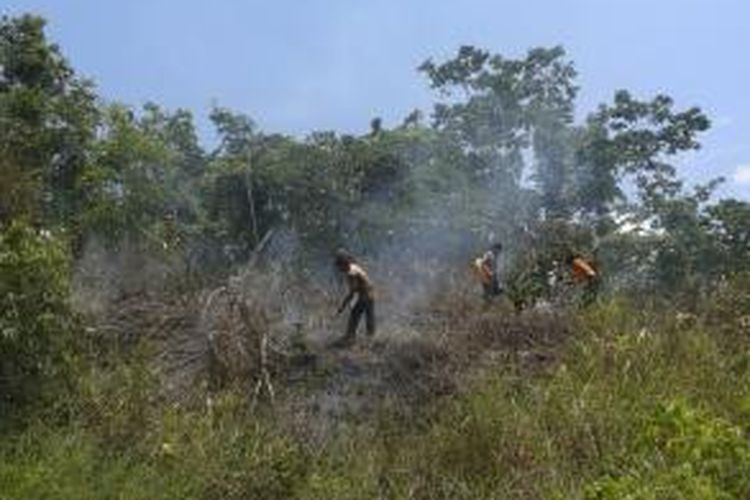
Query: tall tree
x=511, y=108
x=48, y=118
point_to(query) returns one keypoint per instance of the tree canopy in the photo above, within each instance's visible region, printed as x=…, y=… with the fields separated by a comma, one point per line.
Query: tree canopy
x=502, y=155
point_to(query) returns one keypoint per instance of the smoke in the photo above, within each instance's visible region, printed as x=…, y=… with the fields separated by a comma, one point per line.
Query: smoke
x=426, y=249
x=414, y=251
x=105, y=274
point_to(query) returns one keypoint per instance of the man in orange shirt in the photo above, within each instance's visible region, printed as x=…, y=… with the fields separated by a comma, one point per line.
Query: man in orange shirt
x=581, y=270
x=486, y=270
x=583, y=273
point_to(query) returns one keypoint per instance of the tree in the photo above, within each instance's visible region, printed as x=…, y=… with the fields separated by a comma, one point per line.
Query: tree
x=231, y=193
x=48, y=118
x=513, y=109
x=126, y=193
x=728, y=224
x=634, y=138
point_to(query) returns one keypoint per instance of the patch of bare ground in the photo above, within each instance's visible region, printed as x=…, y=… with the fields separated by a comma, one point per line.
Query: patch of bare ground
x=237, y=337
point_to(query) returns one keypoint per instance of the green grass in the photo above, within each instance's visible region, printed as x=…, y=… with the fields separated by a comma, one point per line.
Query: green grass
x=186, y=456
x=640, y=405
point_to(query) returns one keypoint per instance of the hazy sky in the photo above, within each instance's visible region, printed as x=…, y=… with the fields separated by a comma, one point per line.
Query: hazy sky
x=320, y=65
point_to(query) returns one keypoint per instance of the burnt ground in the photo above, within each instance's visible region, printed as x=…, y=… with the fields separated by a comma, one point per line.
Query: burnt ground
x=406, y=370
x=222, y=339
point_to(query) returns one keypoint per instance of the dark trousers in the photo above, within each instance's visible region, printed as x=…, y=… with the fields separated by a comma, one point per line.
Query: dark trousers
x=492, y=289
x=366, y=307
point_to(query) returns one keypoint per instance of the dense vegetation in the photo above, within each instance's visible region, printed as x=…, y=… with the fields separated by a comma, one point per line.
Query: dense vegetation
x=106, y=210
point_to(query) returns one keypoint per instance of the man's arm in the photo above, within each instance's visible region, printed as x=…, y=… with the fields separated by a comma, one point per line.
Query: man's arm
x=346, y=301
x=488, y=267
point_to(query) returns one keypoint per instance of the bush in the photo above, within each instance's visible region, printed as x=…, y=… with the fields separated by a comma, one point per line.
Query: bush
x=728, y=311
x=36, y=322
x=682, y=453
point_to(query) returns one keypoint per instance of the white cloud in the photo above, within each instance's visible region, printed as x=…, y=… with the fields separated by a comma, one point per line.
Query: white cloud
x=742, y=174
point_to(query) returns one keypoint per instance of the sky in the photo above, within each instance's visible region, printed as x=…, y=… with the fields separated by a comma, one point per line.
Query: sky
x=300, y=66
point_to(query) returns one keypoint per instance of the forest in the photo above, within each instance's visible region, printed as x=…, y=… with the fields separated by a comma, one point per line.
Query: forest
x=167, y=306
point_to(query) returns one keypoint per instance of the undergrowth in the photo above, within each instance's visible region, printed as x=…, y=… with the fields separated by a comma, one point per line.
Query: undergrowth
x=640, y=404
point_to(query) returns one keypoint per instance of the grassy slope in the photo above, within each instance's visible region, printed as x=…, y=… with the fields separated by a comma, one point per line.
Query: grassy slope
x=639, y=404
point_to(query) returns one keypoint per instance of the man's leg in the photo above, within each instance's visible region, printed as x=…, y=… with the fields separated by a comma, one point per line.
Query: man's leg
x=487, y=292
x=370, y=317
x=590, y=292
x=354, y=317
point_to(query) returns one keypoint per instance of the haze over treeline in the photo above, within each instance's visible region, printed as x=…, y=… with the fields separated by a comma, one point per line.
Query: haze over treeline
x=104, y=202
x=499, y=150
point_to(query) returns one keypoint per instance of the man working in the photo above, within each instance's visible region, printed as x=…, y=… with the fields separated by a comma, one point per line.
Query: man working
x=358, y=284
x=581, y=271
x=584, y=274
x=487, y=270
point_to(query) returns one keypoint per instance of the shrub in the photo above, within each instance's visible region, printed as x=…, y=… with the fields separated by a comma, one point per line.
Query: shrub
x=36, y=322
x=682, y=453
